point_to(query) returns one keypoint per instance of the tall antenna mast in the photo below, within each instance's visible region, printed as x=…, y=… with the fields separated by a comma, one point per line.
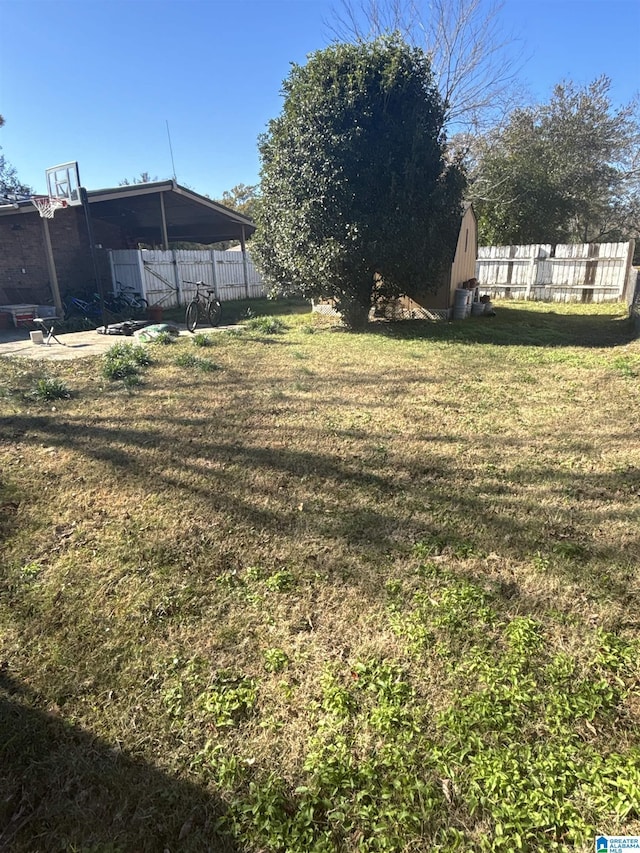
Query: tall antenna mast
x=173, y=165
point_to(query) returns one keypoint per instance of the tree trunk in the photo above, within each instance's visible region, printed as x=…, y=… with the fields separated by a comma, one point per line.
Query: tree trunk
x=354, y=315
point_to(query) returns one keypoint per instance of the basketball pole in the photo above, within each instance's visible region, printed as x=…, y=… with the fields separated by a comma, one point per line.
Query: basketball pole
x=92, y=245
x=51, y=268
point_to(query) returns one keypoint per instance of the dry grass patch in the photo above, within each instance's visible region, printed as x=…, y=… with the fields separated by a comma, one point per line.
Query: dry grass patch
x=344, y=592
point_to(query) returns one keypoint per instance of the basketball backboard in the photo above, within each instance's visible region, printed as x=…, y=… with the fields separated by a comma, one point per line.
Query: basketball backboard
x=63, y=182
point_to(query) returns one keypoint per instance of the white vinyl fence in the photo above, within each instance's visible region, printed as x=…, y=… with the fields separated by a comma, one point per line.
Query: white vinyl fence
x=161, y=277
x=589, y=272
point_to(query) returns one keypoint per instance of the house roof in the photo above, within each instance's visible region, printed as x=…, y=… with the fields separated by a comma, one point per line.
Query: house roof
x=138, y=210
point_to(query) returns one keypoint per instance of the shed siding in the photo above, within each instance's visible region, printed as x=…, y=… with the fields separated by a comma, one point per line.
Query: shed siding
x=464, y=261
x=462, y=269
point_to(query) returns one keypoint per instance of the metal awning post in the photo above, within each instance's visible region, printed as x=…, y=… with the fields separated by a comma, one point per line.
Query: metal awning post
x=163, y=214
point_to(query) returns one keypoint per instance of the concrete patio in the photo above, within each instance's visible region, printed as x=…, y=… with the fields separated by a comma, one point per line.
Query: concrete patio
x=17, y=343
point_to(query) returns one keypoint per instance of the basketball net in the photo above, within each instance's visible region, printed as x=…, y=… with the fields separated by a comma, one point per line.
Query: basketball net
x=47, y=205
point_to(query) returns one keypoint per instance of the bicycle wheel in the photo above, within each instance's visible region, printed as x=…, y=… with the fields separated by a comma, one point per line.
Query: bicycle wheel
x=191, y=316
x=138, y=306
x=215, y=312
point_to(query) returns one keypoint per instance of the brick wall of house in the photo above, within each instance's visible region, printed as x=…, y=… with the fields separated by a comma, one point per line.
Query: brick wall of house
x=24, y=275
x=23, y=265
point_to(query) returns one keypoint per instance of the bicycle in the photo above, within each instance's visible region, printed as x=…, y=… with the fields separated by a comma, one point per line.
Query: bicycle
x=202, y=305
x=129, y=300
x=78, y=310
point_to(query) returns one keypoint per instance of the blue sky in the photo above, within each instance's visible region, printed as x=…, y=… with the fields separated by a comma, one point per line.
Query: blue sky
x=97, y=80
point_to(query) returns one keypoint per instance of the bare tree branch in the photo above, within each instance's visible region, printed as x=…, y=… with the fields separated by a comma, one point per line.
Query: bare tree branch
x=473, y=61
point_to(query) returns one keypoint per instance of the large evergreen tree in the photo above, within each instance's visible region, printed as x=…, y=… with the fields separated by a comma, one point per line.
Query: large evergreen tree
x=357, y=200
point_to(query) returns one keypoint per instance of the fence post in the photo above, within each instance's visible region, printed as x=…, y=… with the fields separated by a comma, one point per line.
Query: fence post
x=214, y=273
x=112, y=270
x=627, y=290
x=141, y=272
x=163, y=218
x=176, y=275
x=533, y=272
x=244, y=262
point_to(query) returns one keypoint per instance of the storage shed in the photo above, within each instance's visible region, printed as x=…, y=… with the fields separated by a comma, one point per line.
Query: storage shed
x=439, y=304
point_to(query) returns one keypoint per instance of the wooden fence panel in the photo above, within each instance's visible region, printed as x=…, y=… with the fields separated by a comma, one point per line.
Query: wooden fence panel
x=127, y=271
x=590, y=272
x=230, y=273
x=164, y=278
x=160, y=285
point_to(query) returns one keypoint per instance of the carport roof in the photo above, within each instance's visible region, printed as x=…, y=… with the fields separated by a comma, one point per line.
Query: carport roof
x=151, y=212
x=191, y=217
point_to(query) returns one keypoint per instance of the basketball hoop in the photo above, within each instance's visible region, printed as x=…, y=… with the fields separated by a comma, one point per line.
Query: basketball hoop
x=47, y=205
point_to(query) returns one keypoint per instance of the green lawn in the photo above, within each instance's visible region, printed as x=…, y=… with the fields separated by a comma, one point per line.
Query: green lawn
x=321, y=591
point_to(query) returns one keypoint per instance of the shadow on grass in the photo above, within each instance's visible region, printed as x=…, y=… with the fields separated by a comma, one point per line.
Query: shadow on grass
x=518, y=327
x=347, y=501
x=237, y=310
x=59, y=782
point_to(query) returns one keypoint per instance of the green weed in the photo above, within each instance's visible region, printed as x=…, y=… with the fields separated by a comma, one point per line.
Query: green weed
x=275, y=660
x=164, y=338
x=123, y=361
x=187, y=359
x=200, y=339
x=48, y=388
x=119, y=368
x=266, y=325
x=281, y=581
x=229, y=699
x=135, y=353
x=626, y=366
